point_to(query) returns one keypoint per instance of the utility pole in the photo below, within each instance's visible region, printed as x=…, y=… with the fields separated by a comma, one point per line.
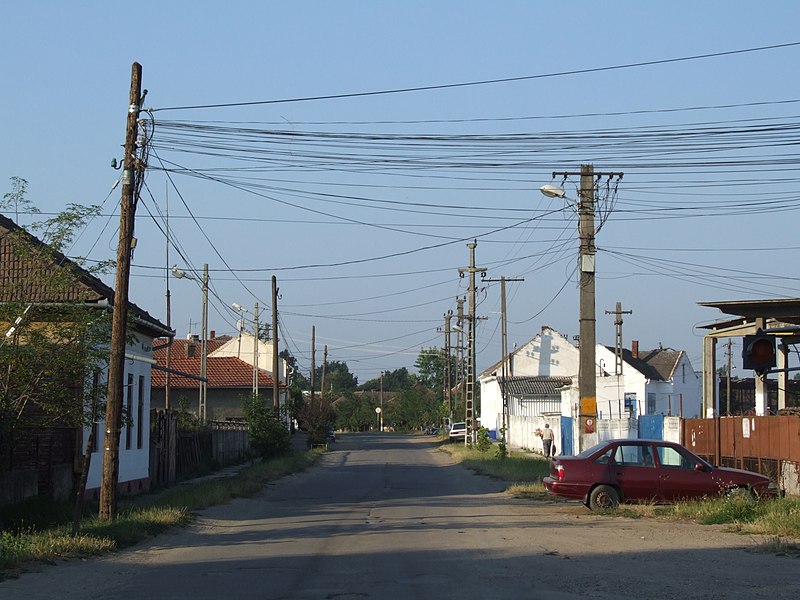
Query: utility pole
x=324, y=369
x=116, y=362
x=587, y=378
x=255, y=350
x=460, y=349
x=201, y=413
x=728, y=387
x=470, y=382
x=276, y=377
x=313, y=359
x=447, y=376
x=504, y=351
x=618, y=341
x=168, y=381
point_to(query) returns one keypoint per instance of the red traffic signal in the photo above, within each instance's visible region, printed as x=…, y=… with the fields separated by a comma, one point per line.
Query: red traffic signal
x=758, y=352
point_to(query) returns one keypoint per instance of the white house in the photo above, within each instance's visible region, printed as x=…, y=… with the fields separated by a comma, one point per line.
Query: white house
x=660, y=381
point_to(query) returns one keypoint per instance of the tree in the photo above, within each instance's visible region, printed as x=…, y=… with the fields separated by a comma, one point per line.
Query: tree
x=413, y=409
x=393, y=381
x=269, y=437
x=430, y=366
x=338, y=378
x=55, y=346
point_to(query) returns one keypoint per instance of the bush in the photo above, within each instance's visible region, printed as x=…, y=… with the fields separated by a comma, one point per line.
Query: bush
x=484, y=442
x=269, y=436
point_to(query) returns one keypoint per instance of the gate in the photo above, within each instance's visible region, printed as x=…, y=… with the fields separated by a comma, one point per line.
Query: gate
x=566, y=436
x=651, y=427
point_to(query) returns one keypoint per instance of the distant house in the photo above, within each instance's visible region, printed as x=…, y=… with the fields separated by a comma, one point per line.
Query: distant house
x=660, y=381
x=54, y=451
x=230, y=377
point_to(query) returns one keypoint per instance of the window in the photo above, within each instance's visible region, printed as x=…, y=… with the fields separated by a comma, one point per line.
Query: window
x=140, y=414
x=651, y=403
x=129, y=411
x=675, y=459
x=634, y=455
x=630, y=403
x=604, y=457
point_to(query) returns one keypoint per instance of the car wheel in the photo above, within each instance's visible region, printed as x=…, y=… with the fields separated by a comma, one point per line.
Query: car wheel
x=740, y=493
x=603, y=497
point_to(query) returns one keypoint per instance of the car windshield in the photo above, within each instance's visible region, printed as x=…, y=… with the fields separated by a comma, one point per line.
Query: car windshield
x=459, y=426
x=589, y=451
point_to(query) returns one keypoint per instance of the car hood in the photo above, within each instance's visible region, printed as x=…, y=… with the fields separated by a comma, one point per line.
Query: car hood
x=729, y=473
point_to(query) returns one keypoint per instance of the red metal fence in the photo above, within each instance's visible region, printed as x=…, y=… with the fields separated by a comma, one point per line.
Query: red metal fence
x=758, y=444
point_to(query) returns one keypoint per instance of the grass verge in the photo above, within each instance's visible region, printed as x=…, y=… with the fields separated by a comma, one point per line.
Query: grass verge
x=522, y=470
x=778, y=518
x=26, y=541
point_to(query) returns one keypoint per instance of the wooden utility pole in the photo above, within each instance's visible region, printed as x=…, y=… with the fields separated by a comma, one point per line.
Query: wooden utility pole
x=471, y=352
x=587, y=378
x=116, y=362
x=313, y=359
x=276, y=376
x=324, y=369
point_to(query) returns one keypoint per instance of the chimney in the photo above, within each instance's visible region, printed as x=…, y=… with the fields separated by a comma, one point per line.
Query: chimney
x=191, y=349
x=635, y=349
x=213, y=335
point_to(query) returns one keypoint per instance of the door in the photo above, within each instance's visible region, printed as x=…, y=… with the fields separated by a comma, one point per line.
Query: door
x=635, y=472
x=679, y=476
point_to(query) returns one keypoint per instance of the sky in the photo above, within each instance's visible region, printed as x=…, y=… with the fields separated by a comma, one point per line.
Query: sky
x=354, y=149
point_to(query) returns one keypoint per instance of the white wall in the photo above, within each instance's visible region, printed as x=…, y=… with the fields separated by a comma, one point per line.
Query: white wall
x=134, y=463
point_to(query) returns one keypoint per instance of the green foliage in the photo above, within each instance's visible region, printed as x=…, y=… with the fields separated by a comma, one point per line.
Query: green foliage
x=17, y=200
x=356, y=412
x=52, y=353
x=338, y=378
x=502, y=447
x=393, y=381
x=483, y=441
x=317, y=416
x=430, y=368
x=413, y=409
x=269, y=436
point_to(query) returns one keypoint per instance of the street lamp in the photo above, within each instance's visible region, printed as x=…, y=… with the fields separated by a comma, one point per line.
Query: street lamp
x=587, y=383
x=179, y=274
x=241, y=309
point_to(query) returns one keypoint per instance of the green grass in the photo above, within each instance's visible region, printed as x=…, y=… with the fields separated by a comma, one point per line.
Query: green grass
x=524, y=471
x=40, y=531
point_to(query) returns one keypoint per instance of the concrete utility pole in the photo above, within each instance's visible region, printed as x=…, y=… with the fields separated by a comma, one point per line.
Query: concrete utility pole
x=618, y=342
x=587, y=382
x=447, y=376
x=116, y=362
x=472, y=320
x=201, y=413
x=460, y=349
x=504, y=351
x=255, y=350
x=276, y=376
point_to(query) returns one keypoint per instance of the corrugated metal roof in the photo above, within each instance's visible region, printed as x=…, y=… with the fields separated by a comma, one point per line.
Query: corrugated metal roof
x=534, y=386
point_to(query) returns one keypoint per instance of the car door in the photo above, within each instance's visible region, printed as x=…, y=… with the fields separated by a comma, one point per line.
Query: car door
x=636, y=476
x=679, y=476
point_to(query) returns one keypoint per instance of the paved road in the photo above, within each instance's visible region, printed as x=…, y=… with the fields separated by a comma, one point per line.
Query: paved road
x=389, y=517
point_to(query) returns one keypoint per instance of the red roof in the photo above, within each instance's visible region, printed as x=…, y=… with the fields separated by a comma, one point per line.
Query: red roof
x=222, y=372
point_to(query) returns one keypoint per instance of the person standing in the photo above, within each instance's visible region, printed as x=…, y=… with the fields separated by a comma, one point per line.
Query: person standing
x=547, y=439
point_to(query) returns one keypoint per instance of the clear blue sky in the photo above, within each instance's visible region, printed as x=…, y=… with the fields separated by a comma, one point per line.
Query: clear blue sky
x=701, y=189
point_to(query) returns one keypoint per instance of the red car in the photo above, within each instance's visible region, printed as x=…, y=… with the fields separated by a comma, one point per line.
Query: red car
x=646, y=470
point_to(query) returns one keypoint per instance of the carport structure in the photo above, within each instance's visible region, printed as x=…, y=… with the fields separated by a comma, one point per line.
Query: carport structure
x=779, y=318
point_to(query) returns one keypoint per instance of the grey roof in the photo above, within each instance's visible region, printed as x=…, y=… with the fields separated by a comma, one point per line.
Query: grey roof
x=534, y=386
x=656, y=365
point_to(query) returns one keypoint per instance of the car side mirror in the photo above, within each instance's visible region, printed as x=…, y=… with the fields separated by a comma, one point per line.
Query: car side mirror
x=700, y=467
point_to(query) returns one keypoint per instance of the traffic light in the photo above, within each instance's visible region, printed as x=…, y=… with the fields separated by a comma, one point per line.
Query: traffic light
x=758, y=352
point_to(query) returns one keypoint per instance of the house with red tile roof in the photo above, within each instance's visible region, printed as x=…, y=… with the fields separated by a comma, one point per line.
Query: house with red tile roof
x=53, y=450
x=230, y=378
